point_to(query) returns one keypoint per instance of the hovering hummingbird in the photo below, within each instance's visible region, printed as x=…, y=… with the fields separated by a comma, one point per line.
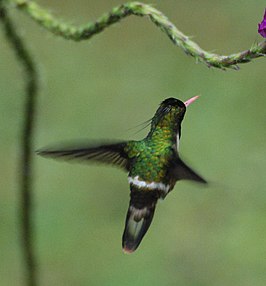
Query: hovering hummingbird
x=153, y=166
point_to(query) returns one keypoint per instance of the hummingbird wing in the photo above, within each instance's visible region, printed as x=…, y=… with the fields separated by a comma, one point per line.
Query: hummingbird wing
x=113, y=154
x=180, y=171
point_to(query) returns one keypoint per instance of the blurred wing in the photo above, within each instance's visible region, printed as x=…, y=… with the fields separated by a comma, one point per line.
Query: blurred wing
x=180, y=171
x=113, y=154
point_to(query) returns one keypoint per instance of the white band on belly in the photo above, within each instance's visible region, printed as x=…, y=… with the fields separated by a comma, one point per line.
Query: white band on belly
x=153, y=185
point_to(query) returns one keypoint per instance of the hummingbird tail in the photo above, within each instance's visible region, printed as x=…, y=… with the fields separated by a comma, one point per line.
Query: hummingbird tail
x=139, y=217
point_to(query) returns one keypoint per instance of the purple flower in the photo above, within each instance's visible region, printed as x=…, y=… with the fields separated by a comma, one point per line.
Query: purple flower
x=262, y=26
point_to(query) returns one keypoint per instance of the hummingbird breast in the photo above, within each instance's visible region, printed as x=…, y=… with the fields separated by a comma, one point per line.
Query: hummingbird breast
x=150, y=169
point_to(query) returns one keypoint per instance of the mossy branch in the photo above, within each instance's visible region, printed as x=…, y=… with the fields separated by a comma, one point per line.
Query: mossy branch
x=25, y=214
x=70, y=32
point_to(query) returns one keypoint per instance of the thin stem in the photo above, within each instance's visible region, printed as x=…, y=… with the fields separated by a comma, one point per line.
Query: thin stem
x=27, y=145
x=70, y=32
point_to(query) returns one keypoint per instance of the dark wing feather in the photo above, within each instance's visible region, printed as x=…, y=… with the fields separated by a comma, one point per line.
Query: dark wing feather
x=113, y=154
x=180, y=171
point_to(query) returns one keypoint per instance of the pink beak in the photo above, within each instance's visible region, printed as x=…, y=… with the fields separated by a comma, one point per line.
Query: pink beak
x=189, y=101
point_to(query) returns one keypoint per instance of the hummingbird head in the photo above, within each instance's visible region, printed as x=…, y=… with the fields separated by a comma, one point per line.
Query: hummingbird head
x=171, y=112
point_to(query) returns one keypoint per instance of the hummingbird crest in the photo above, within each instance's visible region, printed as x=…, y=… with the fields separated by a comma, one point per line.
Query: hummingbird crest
x=153, y=165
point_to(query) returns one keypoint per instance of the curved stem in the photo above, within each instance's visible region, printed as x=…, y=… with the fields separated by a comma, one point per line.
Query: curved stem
x=70, y=32
x=26, y=143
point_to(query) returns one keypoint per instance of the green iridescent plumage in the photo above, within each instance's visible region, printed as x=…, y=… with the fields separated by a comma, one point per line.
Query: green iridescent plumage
x=153, y=153
x=153, y=165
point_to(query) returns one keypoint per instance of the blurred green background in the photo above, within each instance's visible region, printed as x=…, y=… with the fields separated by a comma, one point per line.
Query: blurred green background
x=102, y=88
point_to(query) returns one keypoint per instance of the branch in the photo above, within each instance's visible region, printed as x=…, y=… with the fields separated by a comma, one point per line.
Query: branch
x=26, y=142
x=70, y=32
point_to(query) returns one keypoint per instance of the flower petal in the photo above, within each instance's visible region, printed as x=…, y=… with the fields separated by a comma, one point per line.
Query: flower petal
x=262, y=26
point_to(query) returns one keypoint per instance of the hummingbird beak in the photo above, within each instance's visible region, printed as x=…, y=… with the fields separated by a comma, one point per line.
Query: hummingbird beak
x=189, y=101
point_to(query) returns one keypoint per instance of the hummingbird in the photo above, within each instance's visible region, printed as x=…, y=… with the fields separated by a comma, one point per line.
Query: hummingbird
x=153, y=165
